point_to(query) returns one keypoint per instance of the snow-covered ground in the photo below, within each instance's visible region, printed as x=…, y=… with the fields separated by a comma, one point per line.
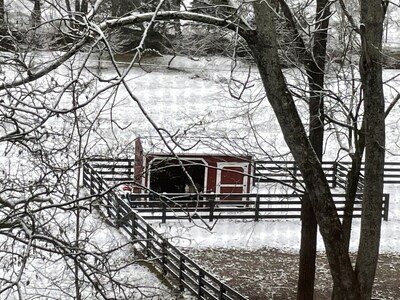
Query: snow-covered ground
x=277, y=234
x=193, y=98
x=191, y=101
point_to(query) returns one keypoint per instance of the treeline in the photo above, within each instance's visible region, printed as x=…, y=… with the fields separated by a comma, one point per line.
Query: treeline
x=49, y=25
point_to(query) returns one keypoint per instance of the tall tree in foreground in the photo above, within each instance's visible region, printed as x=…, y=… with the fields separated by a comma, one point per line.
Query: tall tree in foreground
x=265, y=48
x=266, y=55
x=263, y=41
x=36, y=13
x=371, y=29
x=2, y=20
x=313, y=61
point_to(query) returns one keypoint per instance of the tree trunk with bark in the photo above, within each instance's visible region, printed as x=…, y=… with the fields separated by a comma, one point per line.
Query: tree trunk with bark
x=316, y=74
x=371, y=28
x=353, y=179
x=308, y=250
x=77, y=6
x=36, y=13
x=2, y=16
x=265, y=48
x=70, y=13
x=115, y=7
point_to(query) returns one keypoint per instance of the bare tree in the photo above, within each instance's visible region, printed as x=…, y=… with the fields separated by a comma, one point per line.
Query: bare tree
x=314, y=64
x=371, y=30
x=262, y=38
x=2, y=14
x=49, y=126
x=265, y=49
x=36, y=13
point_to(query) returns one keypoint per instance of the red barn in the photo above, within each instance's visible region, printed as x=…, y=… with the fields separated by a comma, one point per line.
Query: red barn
x=211, y=173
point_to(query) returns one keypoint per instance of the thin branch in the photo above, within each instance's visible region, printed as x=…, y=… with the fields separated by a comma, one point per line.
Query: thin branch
x=392, y=105
x=171, y=15
x=349, y=17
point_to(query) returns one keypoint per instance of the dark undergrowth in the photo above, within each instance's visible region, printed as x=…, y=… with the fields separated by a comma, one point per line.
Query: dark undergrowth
x=272, y=274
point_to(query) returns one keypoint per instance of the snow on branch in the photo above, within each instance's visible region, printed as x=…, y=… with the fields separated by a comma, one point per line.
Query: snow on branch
x=40, y=71
x=171, y=15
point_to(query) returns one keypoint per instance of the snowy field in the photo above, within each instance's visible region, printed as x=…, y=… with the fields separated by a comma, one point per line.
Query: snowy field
x=193, y=104
x=193, y=98
x=192, y=101
x=276, y=234
x=196, y=98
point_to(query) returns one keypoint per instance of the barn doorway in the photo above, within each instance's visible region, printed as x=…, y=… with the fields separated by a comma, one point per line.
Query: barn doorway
x=167, y=175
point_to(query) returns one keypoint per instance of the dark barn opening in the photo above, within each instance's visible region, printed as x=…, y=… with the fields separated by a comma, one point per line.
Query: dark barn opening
x=168, y=176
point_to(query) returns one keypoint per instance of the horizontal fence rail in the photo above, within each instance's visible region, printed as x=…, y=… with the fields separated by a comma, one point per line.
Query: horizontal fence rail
x=341, y=171
x=221, y=206
x=264, y=171
x=171, y=260
x=113, y=170
x=391, y=174
x=287, y=172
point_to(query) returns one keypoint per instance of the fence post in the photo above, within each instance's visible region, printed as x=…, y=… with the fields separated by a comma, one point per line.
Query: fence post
x=164, y=257
x=118, y=212
x=133, y=225
x=92, y=187
x=148, y=237
x=108, y=205
x=294, y=175
x=212, y=205
x=255, y=173
x=334, y=174
x=91, y=175
x=257, y=208
x=386, y=207
x=222, y=291
x=181, y=267
x=201, y=284
x=96, y=201
x=129, y=169
x=164, y=211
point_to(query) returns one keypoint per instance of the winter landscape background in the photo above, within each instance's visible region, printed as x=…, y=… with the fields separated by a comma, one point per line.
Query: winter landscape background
x=208, y=104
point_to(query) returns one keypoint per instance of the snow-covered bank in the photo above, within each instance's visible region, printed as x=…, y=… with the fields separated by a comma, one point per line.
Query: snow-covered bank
x=278, y=234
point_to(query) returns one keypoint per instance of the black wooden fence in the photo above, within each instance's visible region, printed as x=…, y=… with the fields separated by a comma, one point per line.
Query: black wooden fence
x=172, y=261
x=221, y=206
x=248, y=206
x=287, y=172
x=113, y=170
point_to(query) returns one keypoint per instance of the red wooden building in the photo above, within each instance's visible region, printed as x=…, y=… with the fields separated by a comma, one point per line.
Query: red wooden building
x=211, y=173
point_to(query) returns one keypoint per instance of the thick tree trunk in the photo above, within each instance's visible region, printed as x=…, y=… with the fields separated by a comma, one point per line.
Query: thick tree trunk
x=36, y=13
x=84, y=6
x=308, y=251
x=353, y=178
x=316, y=72
x=70, y=13
x=115, y=7
x=2, y=16
x=374, y=116
x=77, y=6
x=265, y=49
